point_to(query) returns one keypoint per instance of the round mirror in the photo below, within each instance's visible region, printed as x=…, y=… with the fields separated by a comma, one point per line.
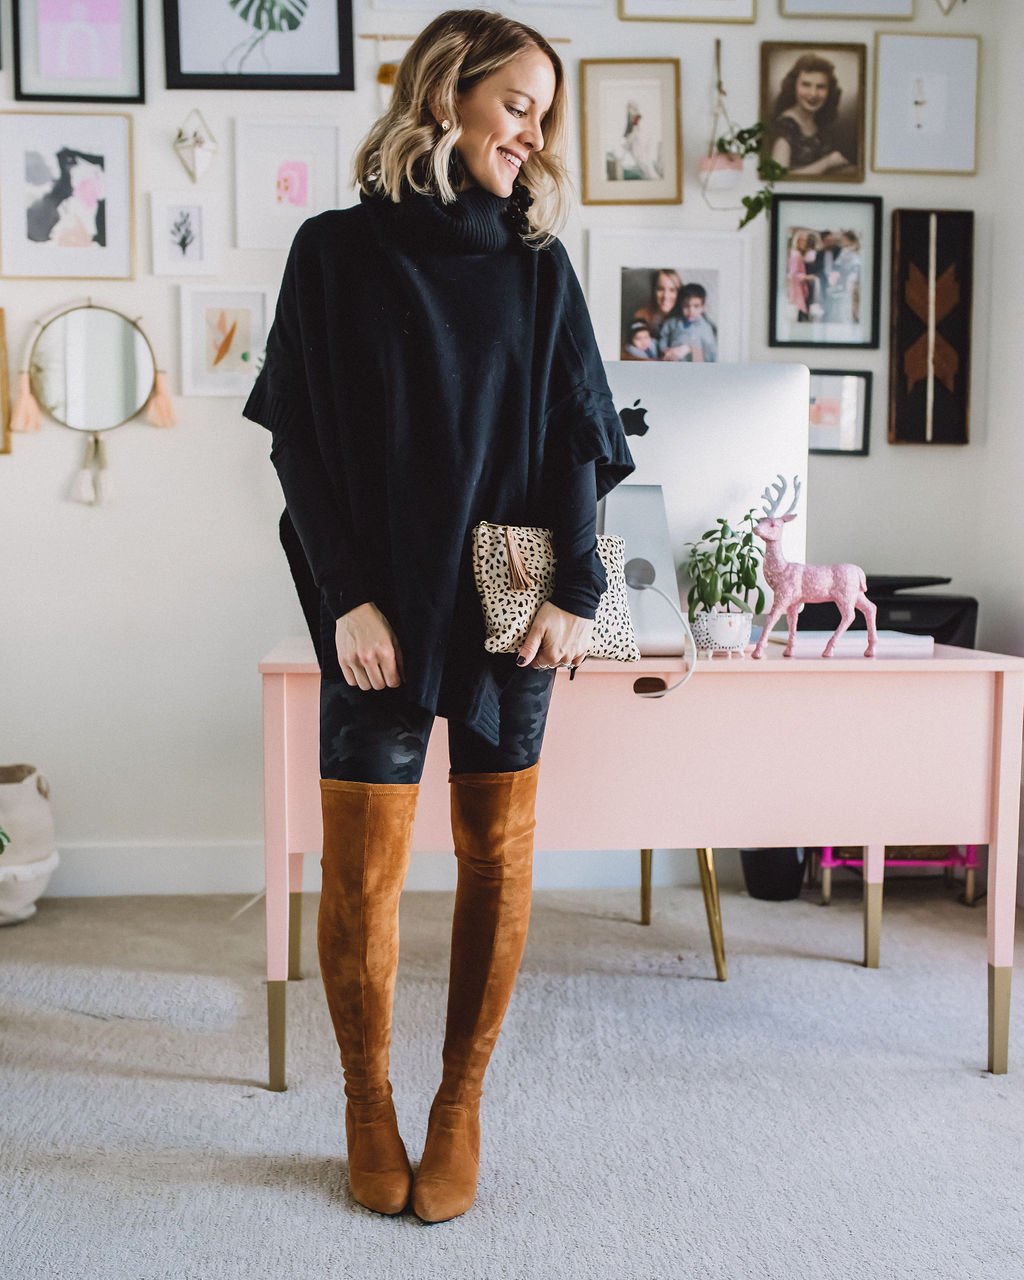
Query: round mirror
x=92, y=368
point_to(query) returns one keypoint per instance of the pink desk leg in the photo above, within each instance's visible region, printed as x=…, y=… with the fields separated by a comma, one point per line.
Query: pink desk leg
x=874, y=875
x=1002, y=863
x=275, y=836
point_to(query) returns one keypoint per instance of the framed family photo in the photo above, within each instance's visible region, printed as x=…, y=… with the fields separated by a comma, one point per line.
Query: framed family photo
x=840, y=412
x=813, y=102
x=669, y=296
x=78, y=51
x=66, y=199
x=187, y=231
x=687, y=10
x=272, y=44
x=824, y=265
x=926, y=103
x=285, y=171
x=223, y=332
x=632, y=139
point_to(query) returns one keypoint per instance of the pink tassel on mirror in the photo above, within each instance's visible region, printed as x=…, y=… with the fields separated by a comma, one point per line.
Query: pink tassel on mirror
x=160, y=408
x=26, y=414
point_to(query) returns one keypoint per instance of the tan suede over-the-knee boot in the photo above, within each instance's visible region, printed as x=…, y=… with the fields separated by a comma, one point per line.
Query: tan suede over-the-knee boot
x=367, y=841
x=492, y=825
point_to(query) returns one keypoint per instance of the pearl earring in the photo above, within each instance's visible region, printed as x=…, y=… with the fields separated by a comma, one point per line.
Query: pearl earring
x=446, y=125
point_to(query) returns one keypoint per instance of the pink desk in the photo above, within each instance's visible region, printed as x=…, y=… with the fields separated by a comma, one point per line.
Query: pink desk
x=840, y=752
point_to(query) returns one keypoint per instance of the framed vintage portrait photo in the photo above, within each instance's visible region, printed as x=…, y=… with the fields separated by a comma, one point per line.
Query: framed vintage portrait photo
x=285, y=171
x=66, y=205
x=894, y=9
x=840, y=412
x=926, y=103
x=78, y=51
x=188, y=234
x=813, y=101
x=669, y=296
x=273, y=44
x=687, y=10
x=223, y=332
x=631, y=124
x=824, y=271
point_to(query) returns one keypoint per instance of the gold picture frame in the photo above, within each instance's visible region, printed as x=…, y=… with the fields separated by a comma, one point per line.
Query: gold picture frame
x=696, y=11
x=631, y=131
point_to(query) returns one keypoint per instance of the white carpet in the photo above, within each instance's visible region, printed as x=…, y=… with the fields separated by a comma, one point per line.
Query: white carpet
x=807, y=1120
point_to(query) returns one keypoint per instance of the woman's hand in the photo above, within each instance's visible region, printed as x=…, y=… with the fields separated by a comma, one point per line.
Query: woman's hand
x=556, y=639
x=677, y=353
x=368, y=650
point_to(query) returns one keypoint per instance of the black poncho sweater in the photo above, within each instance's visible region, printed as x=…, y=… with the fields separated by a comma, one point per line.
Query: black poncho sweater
x=426, y=370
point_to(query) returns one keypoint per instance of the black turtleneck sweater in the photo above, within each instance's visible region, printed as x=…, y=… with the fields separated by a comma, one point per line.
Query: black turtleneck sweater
x=426, y=370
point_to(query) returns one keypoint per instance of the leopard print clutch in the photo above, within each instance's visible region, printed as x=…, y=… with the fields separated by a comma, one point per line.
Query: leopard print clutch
x=514, y=568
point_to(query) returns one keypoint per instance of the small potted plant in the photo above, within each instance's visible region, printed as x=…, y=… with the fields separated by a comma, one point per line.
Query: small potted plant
x=722, y=566
x=723, y=164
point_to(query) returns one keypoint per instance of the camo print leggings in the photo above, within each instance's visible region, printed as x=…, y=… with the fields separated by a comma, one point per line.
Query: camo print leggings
x=377, y=735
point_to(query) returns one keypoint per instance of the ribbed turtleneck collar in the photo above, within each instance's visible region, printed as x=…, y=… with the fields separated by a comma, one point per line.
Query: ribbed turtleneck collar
x=474, y=223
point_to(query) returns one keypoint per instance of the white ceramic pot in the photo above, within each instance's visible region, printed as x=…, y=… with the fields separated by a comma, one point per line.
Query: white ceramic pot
x=722, y=632
x=720, y=173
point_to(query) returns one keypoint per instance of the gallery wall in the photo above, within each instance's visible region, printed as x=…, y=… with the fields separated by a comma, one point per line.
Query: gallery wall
x=131, y=630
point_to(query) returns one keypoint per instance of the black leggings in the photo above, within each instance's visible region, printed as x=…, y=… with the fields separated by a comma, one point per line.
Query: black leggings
x=377, y=735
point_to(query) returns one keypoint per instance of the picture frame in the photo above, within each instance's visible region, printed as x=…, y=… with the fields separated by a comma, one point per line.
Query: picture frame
x=285, y=171
x=223, y=332
x=926, y=103
x=628, y=279
x=48, y=231
x=839, y=419
x=631, y=131
x=5, y=390
x=687, y=10
x=89, y=52
x=796, y=74
x=832, y=298
x=892, y=10
x=930, y=340
x=187, y=233
x=224, y=47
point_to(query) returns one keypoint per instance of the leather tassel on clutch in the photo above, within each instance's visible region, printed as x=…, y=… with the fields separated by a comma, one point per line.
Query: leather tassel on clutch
x=518, y=574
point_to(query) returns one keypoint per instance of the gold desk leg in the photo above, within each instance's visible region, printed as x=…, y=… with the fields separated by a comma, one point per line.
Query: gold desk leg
x=645, y=886
x=969, y=887
x=276, y=1000
x=713, y=909
x=872, y=924
x=826, y=886
x=295, y=935
x=998, y=1018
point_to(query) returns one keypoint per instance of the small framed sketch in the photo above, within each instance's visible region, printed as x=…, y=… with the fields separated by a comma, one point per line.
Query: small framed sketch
x=847, y=8
x=285, y=171
x=66, y=207
x=825, y=259
x=78, y=51
x=632, y=138
x=926, y=103
x=669, y=295
x=222, y=334
x=187, y=233
x=840, y=412
x=687, y=10
x=813, y=99
x=259, y=44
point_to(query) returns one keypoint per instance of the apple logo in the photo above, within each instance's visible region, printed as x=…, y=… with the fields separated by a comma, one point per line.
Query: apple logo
x=634, y=420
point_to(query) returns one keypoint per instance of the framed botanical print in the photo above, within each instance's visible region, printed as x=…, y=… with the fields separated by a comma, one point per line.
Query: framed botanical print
x=813, y=100
x=285, y=171
x=632, y=138
x=260, y=44
x=188, y=234
x=78, y=51
x=66, y=204
x=840, y=412
x=824, y=271
x=223, y=331
x=687, y=10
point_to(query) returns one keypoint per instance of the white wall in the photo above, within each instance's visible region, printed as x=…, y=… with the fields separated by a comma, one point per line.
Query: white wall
x=131, y=633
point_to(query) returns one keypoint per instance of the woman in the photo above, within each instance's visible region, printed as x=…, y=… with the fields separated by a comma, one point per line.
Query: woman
x=432, y=364
x=803, y=115
x=797, y=277
x=666, y=285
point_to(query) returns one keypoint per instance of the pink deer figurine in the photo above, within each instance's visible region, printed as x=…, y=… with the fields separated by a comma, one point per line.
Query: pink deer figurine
x=797, y=584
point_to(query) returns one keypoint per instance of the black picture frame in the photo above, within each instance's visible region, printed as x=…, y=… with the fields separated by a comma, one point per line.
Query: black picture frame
x=837, y=312
x=179, y=78
x=864, y=424
x=21, y=94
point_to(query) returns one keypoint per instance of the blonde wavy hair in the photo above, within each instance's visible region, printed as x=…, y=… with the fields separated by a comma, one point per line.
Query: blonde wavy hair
x=449, y=57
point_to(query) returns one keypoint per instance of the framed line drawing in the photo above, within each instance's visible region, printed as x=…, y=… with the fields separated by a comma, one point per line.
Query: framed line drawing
x=687, y=10
x=825, y=260
x=813, y=99
x=285, y=171
x=631, y=141
x=223, y=331
x=272, y=44
x=79, y=51
x=930, y=345
x=187, y=233
x=840, y=412
x=669, y=296
x=66, y=196
x=926, y=103
x=892, y=9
